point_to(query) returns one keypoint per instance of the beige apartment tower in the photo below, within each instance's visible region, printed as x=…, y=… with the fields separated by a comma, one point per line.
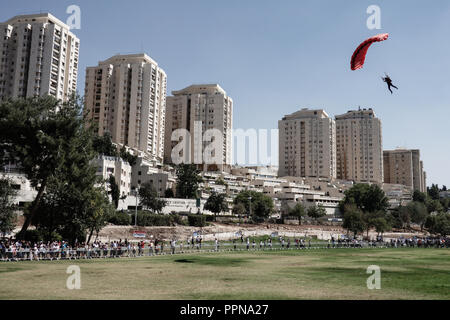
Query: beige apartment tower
x=38, y=57
x=307, y=145
x=208, y=107
x=359, y=146
x=403, y=166
x=125, y=95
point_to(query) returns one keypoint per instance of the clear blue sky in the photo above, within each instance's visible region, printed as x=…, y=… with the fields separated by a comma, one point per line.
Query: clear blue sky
x=275, y=57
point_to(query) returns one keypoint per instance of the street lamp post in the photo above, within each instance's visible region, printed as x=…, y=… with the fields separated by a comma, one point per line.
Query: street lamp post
x=250, y=198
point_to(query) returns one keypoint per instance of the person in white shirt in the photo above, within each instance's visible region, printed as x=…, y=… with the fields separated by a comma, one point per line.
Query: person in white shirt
x=151, y=248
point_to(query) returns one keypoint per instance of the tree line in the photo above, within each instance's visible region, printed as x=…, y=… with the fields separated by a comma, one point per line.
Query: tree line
x=366, y=207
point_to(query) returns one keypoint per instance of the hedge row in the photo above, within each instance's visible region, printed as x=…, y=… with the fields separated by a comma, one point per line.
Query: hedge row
x=148, y=219
x=145, y=219
x=197, y=220
x=120, y=219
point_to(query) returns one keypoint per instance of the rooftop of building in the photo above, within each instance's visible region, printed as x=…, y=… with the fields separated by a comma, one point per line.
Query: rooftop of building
x=37, y=17
x=356, y=114
x=401, y=150
x=130, y=57
x=200, y=88
x=306, y=113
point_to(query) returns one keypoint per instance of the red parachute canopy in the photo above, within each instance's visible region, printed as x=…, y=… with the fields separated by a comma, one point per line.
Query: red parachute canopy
x=359, y=55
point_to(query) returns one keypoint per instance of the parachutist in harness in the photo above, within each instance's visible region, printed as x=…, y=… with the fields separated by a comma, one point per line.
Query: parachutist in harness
x=389, y=82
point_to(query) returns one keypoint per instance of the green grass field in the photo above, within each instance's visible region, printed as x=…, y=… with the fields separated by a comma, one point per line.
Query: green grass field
x=406, y=273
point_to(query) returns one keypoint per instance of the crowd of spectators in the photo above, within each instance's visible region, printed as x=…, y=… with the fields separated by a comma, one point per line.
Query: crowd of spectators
x=15, y=250
x=428, y=242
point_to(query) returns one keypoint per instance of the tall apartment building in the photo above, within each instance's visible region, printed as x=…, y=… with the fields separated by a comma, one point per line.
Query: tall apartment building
x=208, y=106
x=38, y=56
x=125, y=95
x=307, y=145
x=359, y=146
x=402, y=166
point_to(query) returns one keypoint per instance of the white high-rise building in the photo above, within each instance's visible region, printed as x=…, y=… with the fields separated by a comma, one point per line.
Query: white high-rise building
x=125, y=95
x=359, y=146
x=307, y=145
x=208, y=106
x=38, y=56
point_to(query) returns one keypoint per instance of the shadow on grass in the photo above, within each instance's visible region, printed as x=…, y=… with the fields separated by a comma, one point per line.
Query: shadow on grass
x=214, y=261
x=9, y=269
x=244, y=295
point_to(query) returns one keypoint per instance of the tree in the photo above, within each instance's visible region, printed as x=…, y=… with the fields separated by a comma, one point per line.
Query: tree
x=63, y=215
x=72, y=204
x=377, y=220
x=169, y=193
x=148, y=197
x=353, y=219
x=99, y=212
x=216, y=203
x=414, y=211
x=188, y=180
x=51, y=214
x=368, y=198
x=260, y=205
x=7, y=215
x=221, y=182
x=443, y=223
x=419, y=196
x=434, y=205
x=27, y=127
x=53, y=146
x=403, y=215
x=86, y=207
x=316, y=212
x=73, y=187
x=433, y=192
x=38, y=133
x=418, y=213
x=438, y=224
x=445, y=202
x=114, y=191
x=381, y=225
x=103, y=145
x=128, y=157
x=239, y=209
x=297, y=211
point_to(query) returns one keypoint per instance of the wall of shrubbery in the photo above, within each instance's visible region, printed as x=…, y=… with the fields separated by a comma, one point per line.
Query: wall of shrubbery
x=149, y=219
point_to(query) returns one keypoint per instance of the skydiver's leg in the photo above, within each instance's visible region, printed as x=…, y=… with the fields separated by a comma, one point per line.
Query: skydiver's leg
x=394, y=86
x=389, y=87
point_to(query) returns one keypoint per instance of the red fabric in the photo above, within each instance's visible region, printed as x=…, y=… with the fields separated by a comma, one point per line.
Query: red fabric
x=359, y=55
